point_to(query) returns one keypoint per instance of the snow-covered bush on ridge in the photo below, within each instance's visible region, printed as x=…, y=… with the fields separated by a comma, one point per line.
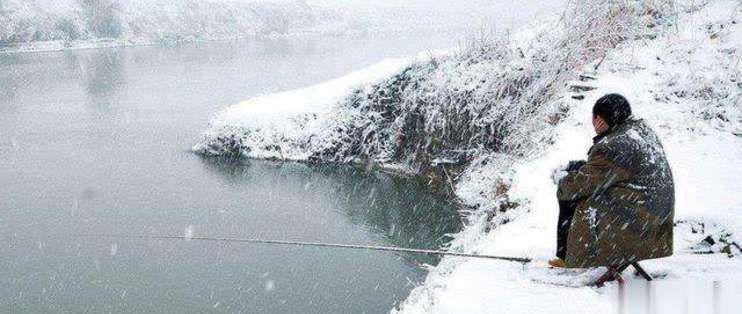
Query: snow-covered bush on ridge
x=596, y=27
x=714, y=83
x=30, y=21
x=471, y=101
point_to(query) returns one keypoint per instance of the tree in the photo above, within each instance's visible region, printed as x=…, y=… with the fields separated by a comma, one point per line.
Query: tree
x=102, y=17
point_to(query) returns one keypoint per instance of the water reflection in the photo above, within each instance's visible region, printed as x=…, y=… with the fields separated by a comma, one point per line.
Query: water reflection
x=400, y=211
x=101, y=72
x=8, y=90
x=10, y=80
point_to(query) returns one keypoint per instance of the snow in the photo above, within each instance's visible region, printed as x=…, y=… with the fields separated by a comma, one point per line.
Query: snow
x=294, y=118
x=274, y=109
x=705, y=155
x=270, y=285
x=188, y=233
x=114, y=249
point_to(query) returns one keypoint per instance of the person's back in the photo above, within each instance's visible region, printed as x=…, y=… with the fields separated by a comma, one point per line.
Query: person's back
x=647, y=161
x=623, y=198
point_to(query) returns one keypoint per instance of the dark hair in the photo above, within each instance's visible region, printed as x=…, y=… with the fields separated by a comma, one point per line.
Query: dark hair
x=613, y=108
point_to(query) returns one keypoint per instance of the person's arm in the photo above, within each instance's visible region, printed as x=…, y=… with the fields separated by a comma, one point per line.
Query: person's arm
x=598, y=173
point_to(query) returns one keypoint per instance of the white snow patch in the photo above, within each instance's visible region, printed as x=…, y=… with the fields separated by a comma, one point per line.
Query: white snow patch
x=274, y=109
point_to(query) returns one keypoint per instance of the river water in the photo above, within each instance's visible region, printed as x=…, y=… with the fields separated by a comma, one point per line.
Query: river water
x=98, y=142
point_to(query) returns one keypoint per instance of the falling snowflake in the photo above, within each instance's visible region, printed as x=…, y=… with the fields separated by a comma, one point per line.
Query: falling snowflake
x=188, y=234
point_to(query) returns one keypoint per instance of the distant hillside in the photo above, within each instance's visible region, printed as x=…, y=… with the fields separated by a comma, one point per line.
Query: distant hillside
x=33, y=25
x=81, y=23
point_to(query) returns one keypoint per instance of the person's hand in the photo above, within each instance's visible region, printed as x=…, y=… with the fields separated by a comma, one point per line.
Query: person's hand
x=575, y=165
x=559, y=173
x=564, y=169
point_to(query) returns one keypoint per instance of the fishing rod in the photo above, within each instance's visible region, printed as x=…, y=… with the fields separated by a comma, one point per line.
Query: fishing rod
x=317, y=244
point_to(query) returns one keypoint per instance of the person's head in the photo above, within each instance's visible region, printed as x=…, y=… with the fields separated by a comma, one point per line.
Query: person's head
x=609, y=111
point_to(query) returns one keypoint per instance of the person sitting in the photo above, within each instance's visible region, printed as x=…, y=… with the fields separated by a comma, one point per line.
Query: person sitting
x=617, y=207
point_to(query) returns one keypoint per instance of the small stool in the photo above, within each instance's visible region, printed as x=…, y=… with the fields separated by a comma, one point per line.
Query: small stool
x=614, y=273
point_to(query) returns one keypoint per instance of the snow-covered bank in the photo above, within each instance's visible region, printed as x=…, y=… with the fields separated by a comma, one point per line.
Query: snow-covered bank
x=427, y=109
x=38, y=25
x=291, y=125
x=511, y=109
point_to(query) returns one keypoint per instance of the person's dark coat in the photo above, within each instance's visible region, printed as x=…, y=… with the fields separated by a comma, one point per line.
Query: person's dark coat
x=625, y=197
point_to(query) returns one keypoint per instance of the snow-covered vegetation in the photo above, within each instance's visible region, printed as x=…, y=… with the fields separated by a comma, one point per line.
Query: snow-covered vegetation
x=497, y=117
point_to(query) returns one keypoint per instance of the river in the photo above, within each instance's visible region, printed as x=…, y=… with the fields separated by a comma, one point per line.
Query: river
x=98, y=142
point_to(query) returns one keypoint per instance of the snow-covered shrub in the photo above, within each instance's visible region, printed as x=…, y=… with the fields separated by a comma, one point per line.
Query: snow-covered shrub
x=475, y=100
x=26, y=21
x=707, y=82
x=70, y=29
x=597, y=26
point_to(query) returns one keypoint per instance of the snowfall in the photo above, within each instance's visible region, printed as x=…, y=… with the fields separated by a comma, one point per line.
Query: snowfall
x=686, y=83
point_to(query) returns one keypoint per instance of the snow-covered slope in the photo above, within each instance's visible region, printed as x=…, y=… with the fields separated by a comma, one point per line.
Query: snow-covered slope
x=687, y=84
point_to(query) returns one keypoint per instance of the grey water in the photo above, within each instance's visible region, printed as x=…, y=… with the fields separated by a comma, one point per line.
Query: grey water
x=98, y=142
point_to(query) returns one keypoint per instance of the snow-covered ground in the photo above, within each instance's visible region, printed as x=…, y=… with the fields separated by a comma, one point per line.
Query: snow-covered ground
x=672, y=82
x=684, y=77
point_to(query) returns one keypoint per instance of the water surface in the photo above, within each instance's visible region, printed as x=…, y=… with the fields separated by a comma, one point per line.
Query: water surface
x=97, y=142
